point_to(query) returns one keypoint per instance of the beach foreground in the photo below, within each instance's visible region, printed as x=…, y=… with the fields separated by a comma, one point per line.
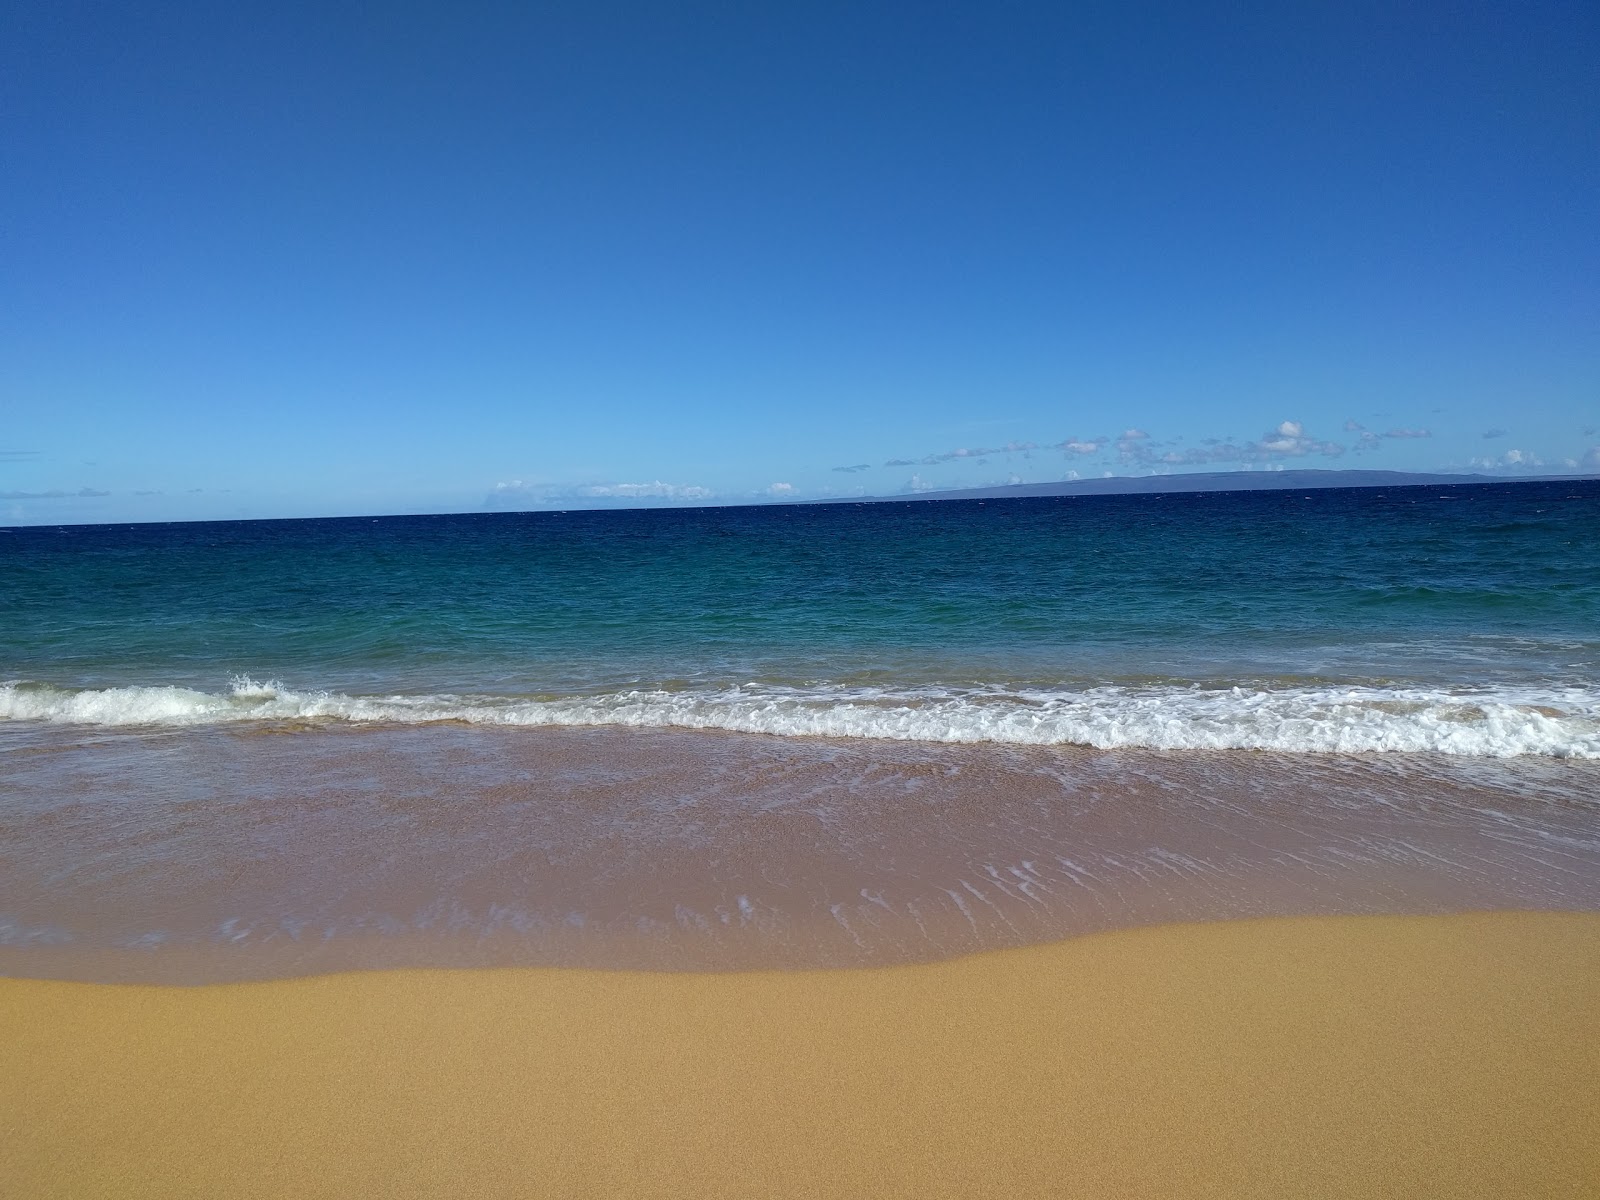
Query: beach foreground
x=1342, y=1056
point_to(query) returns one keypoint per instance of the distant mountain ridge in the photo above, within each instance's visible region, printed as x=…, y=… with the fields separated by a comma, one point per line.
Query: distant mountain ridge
x=1208, y=481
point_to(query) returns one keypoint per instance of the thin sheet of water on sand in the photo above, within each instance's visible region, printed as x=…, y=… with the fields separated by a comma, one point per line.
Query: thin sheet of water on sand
x=215, y=854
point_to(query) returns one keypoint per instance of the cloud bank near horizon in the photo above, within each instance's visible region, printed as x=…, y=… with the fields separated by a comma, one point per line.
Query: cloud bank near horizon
x=1133, y=451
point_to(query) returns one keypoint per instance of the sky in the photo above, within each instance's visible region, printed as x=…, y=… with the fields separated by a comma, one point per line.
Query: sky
x=290, y=259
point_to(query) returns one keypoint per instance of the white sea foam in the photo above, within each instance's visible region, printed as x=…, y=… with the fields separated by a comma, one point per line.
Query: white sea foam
x=1490, y=723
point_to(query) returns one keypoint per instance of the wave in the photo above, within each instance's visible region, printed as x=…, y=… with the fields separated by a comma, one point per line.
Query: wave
x=1485, y=723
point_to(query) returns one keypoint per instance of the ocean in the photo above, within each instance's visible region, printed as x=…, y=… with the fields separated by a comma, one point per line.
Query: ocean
x=789, y=735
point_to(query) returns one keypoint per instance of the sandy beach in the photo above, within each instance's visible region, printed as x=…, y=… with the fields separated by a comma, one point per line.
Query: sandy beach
x=1345, y=1056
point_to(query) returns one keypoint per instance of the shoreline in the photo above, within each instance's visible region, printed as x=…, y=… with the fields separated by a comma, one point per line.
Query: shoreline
x=1339, y=1056
x=212, y=857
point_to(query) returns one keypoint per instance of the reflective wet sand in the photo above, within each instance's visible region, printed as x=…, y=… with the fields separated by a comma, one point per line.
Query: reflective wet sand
x=205, y=855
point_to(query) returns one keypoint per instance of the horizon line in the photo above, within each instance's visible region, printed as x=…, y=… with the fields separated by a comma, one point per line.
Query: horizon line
x=1096, y=486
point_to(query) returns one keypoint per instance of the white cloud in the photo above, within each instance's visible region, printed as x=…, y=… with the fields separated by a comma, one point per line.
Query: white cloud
x=1283, y=443
x=780, y=489
x=1512, y=460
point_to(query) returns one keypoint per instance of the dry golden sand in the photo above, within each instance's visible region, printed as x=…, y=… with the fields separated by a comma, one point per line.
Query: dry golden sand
x=1432, y=1056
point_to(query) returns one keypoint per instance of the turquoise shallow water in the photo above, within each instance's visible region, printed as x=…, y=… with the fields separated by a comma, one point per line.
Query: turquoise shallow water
x=1461, y=619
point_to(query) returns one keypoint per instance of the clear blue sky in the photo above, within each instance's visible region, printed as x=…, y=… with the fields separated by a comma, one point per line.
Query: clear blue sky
x=286, y=259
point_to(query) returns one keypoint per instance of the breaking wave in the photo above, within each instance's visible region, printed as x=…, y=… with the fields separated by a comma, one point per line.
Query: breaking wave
x=1486, y=723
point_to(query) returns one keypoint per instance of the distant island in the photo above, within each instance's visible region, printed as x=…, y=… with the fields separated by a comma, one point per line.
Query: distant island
x=1206, y=481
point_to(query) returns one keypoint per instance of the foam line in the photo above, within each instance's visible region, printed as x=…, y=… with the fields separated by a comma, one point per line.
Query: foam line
x=1494, y=723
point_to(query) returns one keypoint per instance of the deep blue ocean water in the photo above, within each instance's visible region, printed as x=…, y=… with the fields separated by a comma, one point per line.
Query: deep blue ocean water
x=1463, y=619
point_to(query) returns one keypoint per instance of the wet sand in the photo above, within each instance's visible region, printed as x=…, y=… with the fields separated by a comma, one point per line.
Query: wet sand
x=1325, y=1056
x=199, y=856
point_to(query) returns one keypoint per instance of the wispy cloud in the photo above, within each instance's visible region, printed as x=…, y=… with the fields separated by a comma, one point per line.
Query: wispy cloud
x=1138, y=449
x=517, y=493
x=1494, y=433
x=857, y=467
x=17, y=455
x=1133, y=446
x=1374, y=441
x=655, y=490
x=963, y=454
x=1288, y=440
x=80, y=493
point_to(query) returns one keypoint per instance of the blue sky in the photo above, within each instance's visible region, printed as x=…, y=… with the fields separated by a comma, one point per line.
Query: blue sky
x=301, y=259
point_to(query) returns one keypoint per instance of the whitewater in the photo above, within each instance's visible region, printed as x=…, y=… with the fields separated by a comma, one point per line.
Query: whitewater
x=1483, y=722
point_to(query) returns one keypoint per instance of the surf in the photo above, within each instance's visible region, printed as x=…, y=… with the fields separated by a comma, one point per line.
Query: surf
x=1489, y=722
